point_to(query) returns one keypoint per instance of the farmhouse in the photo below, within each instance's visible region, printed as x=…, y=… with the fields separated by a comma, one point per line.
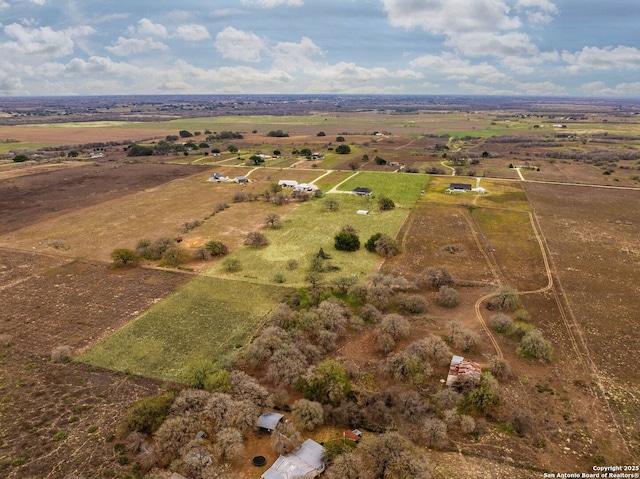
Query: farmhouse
x=307, y=461
x=317, y=156
x=268, y=421
x=305, y=187
x=288, y=183
x=462, y=367
x=218, y=178
x=361, y=191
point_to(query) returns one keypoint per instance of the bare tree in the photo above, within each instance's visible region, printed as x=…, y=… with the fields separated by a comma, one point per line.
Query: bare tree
x=448, y=297
x=437, y=276
x=412, y=303
x=435, y=433
x=255, y=238
x=285, y=438
x=229, y=444
x=309, y=414
x=396, y=325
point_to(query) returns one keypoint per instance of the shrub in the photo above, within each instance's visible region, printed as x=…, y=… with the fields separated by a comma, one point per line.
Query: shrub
x=370, y=245
x=155, y=250
x=61, y=354
x=124, y=258
x=255, y=238
x=20, y=158
x=447, y=297
x=174, y=256
x=505, y=298
x=385, y=203
x=438, y=276
x=220, y=207
x=412, y=303
x=500, y=322
x=309, y=414
x=216, y=248
x=190, y=225
x=534, y=346
x=499, y=367
x=343, y=149
x=148, y=414
x=386, y=247
x=347, y=241
x=395, y=325
x=231, y=265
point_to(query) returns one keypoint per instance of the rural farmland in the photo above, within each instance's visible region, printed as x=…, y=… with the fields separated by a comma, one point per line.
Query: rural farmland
x=145, y=301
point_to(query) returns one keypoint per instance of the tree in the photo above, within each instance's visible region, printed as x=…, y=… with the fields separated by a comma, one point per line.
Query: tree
x=139, y=150
x=231, y=265
x=171, y=138
x=255, y=238
x=256, y=159
x=20, y=158
x=331, y=204
x=386, y=247
x=185, y=134
x=216, y=248
x=485, y=397
x=124, y=258
x=232, y=149
x=309, y=414
x=343, y=149
x=339, y=139
x=448, y=297
x=437, y=276
x=326, y=383
x=385, y=203
x=346, y=241
x=500, y=322
x=273, y=220
x=412, y=303
x=505, y=298
x=534, y=346
x=72, y=154
x=395, y=325
x=434, y=432
x=229, y=444
x=392, y=456
x=379, y=161
x=285, y=438
x=174, y=256
x=321, y=133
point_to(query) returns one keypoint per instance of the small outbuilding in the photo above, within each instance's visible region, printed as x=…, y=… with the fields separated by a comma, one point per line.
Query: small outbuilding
x=268, y=421
x=362, y=212
x=462, y=367
x=241, y=179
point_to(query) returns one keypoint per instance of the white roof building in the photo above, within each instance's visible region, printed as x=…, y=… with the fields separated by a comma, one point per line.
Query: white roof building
x=306, y=461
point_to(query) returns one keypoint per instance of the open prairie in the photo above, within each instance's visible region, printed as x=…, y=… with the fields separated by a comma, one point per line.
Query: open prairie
x=558, y=222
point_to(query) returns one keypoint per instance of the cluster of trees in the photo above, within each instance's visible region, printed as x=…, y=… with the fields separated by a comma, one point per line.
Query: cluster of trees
x=406, y=408
x=277, y=134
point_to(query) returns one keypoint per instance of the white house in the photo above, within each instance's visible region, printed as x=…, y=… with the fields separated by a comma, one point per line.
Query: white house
x=288, y=183
x=218, y=178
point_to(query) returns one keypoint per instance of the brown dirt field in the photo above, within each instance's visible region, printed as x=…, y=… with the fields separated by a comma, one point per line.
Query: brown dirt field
x=54, y=302
x=26, y=200
x=425, y=234
x=82, y=406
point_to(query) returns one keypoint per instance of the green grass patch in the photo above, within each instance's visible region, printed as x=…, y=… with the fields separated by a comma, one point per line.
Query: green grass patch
x=403, y=189
x=311, y=227
x=206, y=318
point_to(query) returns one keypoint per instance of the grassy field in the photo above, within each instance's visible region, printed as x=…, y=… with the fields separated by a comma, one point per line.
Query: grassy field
x=206, y=318
x=310, y=227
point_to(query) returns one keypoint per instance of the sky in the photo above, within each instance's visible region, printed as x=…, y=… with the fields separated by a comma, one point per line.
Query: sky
x=451, y=47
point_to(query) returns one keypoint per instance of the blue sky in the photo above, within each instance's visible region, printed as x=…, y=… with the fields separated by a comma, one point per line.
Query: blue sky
x=471, y=47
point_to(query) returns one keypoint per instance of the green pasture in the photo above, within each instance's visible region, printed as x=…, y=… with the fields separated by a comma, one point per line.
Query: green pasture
x=311, y=226
x=403, y=188
x=498, y=194
x=205, y=318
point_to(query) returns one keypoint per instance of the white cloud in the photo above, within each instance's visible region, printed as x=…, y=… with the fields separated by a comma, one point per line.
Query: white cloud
x=134, y=46
x=3, y=5
x=192, y=33
x=43, y=40
x=239, y=45
x=599, y=88
x=538, y=11
x=296, y=56
x=146, y=28
x=457, y=69
x=473, y=27
x=227, y=12
x=594, y=58
x=100, y=65
x=273, y=3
